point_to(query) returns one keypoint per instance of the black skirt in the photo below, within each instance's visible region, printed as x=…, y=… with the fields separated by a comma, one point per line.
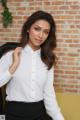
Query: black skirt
x=25, y=111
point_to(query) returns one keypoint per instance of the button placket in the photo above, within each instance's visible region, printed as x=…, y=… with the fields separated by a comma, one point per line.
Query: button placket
x=33, y=75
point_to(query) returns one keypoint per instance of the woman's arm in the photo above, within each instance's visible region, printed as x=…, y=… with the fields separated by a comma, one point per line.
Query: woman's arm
x=4, y=78
x=8, y=65
x=15, y=60
x=50, y=101
x=5, y=61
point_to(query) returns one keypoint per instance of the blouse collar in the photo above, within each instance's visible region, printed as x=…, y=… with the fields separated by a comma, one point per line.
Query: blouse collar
x=27, y=48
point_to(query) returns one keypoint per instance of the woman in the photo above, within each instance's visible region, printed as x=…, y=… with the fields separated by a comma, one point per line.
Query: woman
x=28, y=72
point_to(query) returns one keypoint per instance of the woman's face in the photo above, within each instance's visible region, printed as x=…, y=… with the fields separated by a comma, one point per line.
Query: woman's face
x=38, y=33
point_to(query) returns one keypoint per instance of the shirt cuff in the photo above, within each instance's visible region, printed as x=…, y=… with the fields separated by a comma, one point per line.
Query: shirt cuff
x=5, y=78
x=59, y=117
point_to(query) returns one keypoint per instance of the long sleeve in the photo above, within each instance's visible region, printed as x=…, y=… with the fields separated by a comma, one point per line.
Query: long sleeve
x=5, y=62
x=50, y=101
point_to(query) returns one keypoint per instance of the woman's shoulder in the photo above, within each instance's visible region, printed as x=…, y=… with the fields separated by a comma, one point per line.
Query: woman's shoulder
x=7, y=57
x=9, y=53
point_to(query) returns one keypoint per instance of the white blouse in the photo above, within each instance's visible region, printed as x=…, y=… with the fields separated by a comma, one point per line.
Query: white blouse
x=31, y=82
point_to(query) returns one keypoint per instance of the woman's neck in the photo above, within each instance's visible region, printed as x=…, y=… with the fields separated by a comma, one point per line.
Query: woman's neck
x=34, y=47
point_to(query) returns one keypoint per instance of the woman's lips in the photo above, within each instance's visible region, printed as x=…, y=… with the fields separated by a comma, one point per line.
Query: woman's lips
x=38, y=40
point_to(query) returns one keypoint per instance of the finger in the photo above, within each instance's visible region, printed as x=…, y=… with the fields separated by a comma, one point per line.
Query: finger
x=18, y=50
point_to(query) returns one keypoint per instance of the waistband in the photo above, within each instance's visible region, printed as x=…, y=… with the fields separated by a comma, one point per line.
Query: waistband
x=31, y=109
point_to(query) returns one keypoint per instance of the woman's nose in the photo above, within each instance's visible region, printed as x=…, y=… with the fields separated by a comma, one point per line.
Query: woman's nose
x=41, y=34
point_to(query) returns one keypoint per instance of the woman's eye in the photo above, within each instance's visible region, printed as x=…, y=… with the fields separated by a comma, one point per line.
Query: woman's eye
x=37, y=29
x=46, y=32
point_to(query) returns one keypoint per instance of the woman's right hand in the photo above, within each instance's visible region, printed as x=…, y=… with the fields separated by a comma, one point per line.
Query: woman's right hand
x=16, y=60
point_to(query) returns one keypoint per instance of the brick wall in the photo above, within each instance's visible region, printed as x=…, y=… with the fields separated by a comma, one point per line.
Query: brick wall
x=67, y=17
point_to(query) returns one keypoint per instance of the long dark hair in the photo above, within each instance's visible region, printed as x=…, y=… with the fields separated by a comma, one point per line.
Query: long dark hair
x=47, y=54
